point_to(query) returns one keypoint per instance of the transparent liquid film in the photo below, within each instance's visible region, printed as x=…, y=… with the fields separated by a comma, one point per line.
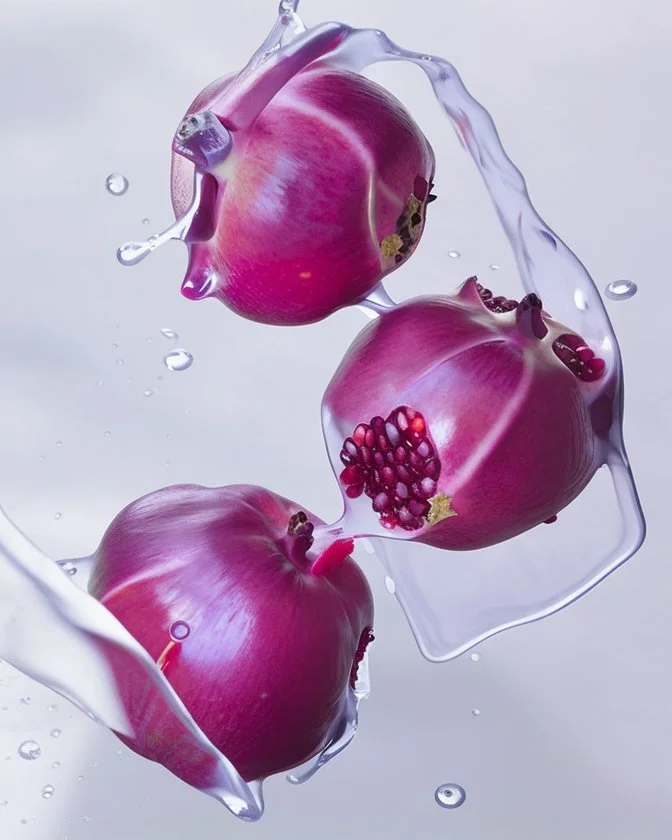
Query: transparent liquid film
x=54, y=632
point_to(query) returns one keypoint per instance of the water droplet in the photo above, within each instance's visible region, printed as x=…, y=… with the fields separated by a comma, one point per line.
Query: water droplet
x=107, y=433
x=580, y=300
x=116, y=184
x=621, y=290
x=52, y=708
x=58, y=515
x=59, y=443
x=454, y=254
x=115, y=346
x=179, y=630
x=48, y=791
x=55, y=764
x=41, y=458
x=390, y=585
x=476, y=712
x=86, y=819
x=100, y=383
x=25, y=701
x=30, y=750
x=475, y=657
x=4, y=802
x=178, y=360
x=80, y=778
x=494, y=267
x=168, y=333
x=119, y=361
x=450, y=795
x=145, y=221
x=68, y=567
x=148, y=392
x=56, y=733
x=23, y=821
x=167, y=463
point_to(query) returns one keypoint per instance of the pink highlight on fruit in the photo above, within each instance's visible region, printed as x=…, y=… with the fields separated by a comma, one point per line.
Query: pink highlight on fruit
x=492, y=433
x=272, y=641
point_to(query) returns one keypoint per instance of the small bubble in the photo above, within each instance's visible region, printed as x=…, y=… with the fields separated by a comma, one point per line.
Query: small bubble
x=178, y=360
x=4, y=802
x=52, y=708
x=148, y=392
x=56, y=733
x=58, y=515
x=145, y=221
x=494, y=267
x=23, y=821
x=115, y=346
x=86, y=819
x=390, y=585
x=454, y=254
x=80, y=778
x=116, y=184
x=68, y=567
x=167, y=463
x=41, y=458
x=55, y=764
x=48, y=791
x=107, y=433
x=168, y=333
x=100, y=383
x=119, y=361
x=30, y=750
x=179, y=630
x=25, y=701
x=621, y=290
x=476, y=712
x=59, y=443
x=450, y=795
x=475, y=657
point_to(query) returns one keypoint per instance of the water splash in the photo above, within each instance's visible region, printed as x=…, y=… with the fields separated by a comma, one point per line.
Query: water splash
x=178, y=360
x=116, y=184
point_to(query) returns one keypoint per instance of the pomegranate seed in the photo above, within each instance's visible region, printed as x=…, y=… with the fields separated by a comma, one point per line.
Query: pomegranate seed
x=381, y=503
x=352, y=475
x=418, y=507
x=575, y=354
x=433, y=468
x=354, y=490
x=400, y=453
x=428, y=487
x=378, y=426
x=404, y=515
x=425, y=449
x=378, y=459
x=360, y=433
x=401, y=490
x=403, y=474
x=383, y=443
x=370, y=438
x=351, y=448
x=388, y=520
x=392, y=433
x=366, y=456
x=387, y=474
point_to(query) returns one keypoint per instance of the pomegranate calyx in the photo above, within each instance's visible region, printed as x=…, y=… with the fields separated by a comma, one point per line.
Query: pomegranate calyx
x=440, y=508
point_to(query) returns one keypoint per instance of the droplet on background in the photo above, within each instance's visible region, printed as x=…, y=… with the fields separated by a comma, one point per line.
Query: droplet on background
x=30, y=750
x=475, y=657
x=116, y=184
x=48, y=791
x=25, y=701
x=56, y=733
x=454, y=254
x=68, y=567
x=450, y=795
x=476, y=712
x=390, y=585
x=55, y=764
x=168, y=333
x=145, y=221
x=620, y=289
x=494, y=267
x=179, y=630
x=148, y=392
x=107, y=433
x=58, y=515
x=178, y=360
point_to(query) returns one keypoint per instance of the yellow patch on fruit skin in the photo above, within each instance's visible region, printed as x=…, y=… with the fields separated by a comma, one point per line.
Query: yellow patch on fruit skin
x=305, y=275
x=391, y=245
x=440, y=509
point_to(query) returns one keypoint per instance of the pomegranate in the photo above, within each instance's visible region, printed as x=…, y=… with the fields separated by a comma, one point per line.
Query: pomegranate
x=316, y=182
x=259, y=642
x=465, y=420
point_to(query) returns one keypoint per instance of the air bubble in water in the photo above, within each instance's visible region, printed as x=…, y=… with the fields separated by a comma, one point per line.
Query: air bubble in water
x=476, y=712
x=178, y=360
x=179, y=630
x=145, y=221
x=621, y=290
x=30, y=750
x=475, y=657
x=116, y=184
x=58, y=515
x=454, y=254
x=148, y=392
x=55, y=764
x=56, y=733
x=450, y=795
x=168, y=333
x=48, y=791
x=390, y=585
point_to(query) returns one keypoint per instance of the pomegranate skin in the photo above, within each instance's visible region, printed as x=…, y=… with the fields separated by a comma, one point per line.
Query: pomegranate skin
x=508, y=421
x=321, y=197
x=270, y=646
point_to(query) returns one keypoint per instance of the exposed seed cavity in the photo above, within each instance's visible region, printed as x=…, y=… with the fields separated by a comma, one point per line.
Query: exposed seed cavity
x=576, y=355
x=496, y=304
x=409, y=223
x=364, y=641
x=300, y=526
x=393, y=462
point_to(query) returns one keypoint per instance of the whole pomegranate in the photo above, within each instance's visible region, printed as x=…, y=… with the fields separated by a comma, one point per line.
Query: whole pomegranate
x=316, y=183
x=463, y=421
x=259, y=643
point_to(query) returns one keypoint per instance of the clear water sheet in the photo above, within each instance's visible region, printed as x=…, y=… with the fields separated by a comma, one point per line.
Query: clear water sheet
x=48, y=624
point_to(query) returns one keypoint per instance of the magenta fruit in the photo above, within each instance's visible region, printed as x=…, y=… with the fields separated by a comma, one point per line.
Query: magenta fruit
x=315, y=187
x=468, y=418
x=258, y=641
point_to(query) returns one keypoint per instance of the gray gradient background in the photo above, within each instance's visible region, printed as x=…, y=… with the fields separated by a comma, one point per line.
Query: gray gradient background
x=573, y=740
